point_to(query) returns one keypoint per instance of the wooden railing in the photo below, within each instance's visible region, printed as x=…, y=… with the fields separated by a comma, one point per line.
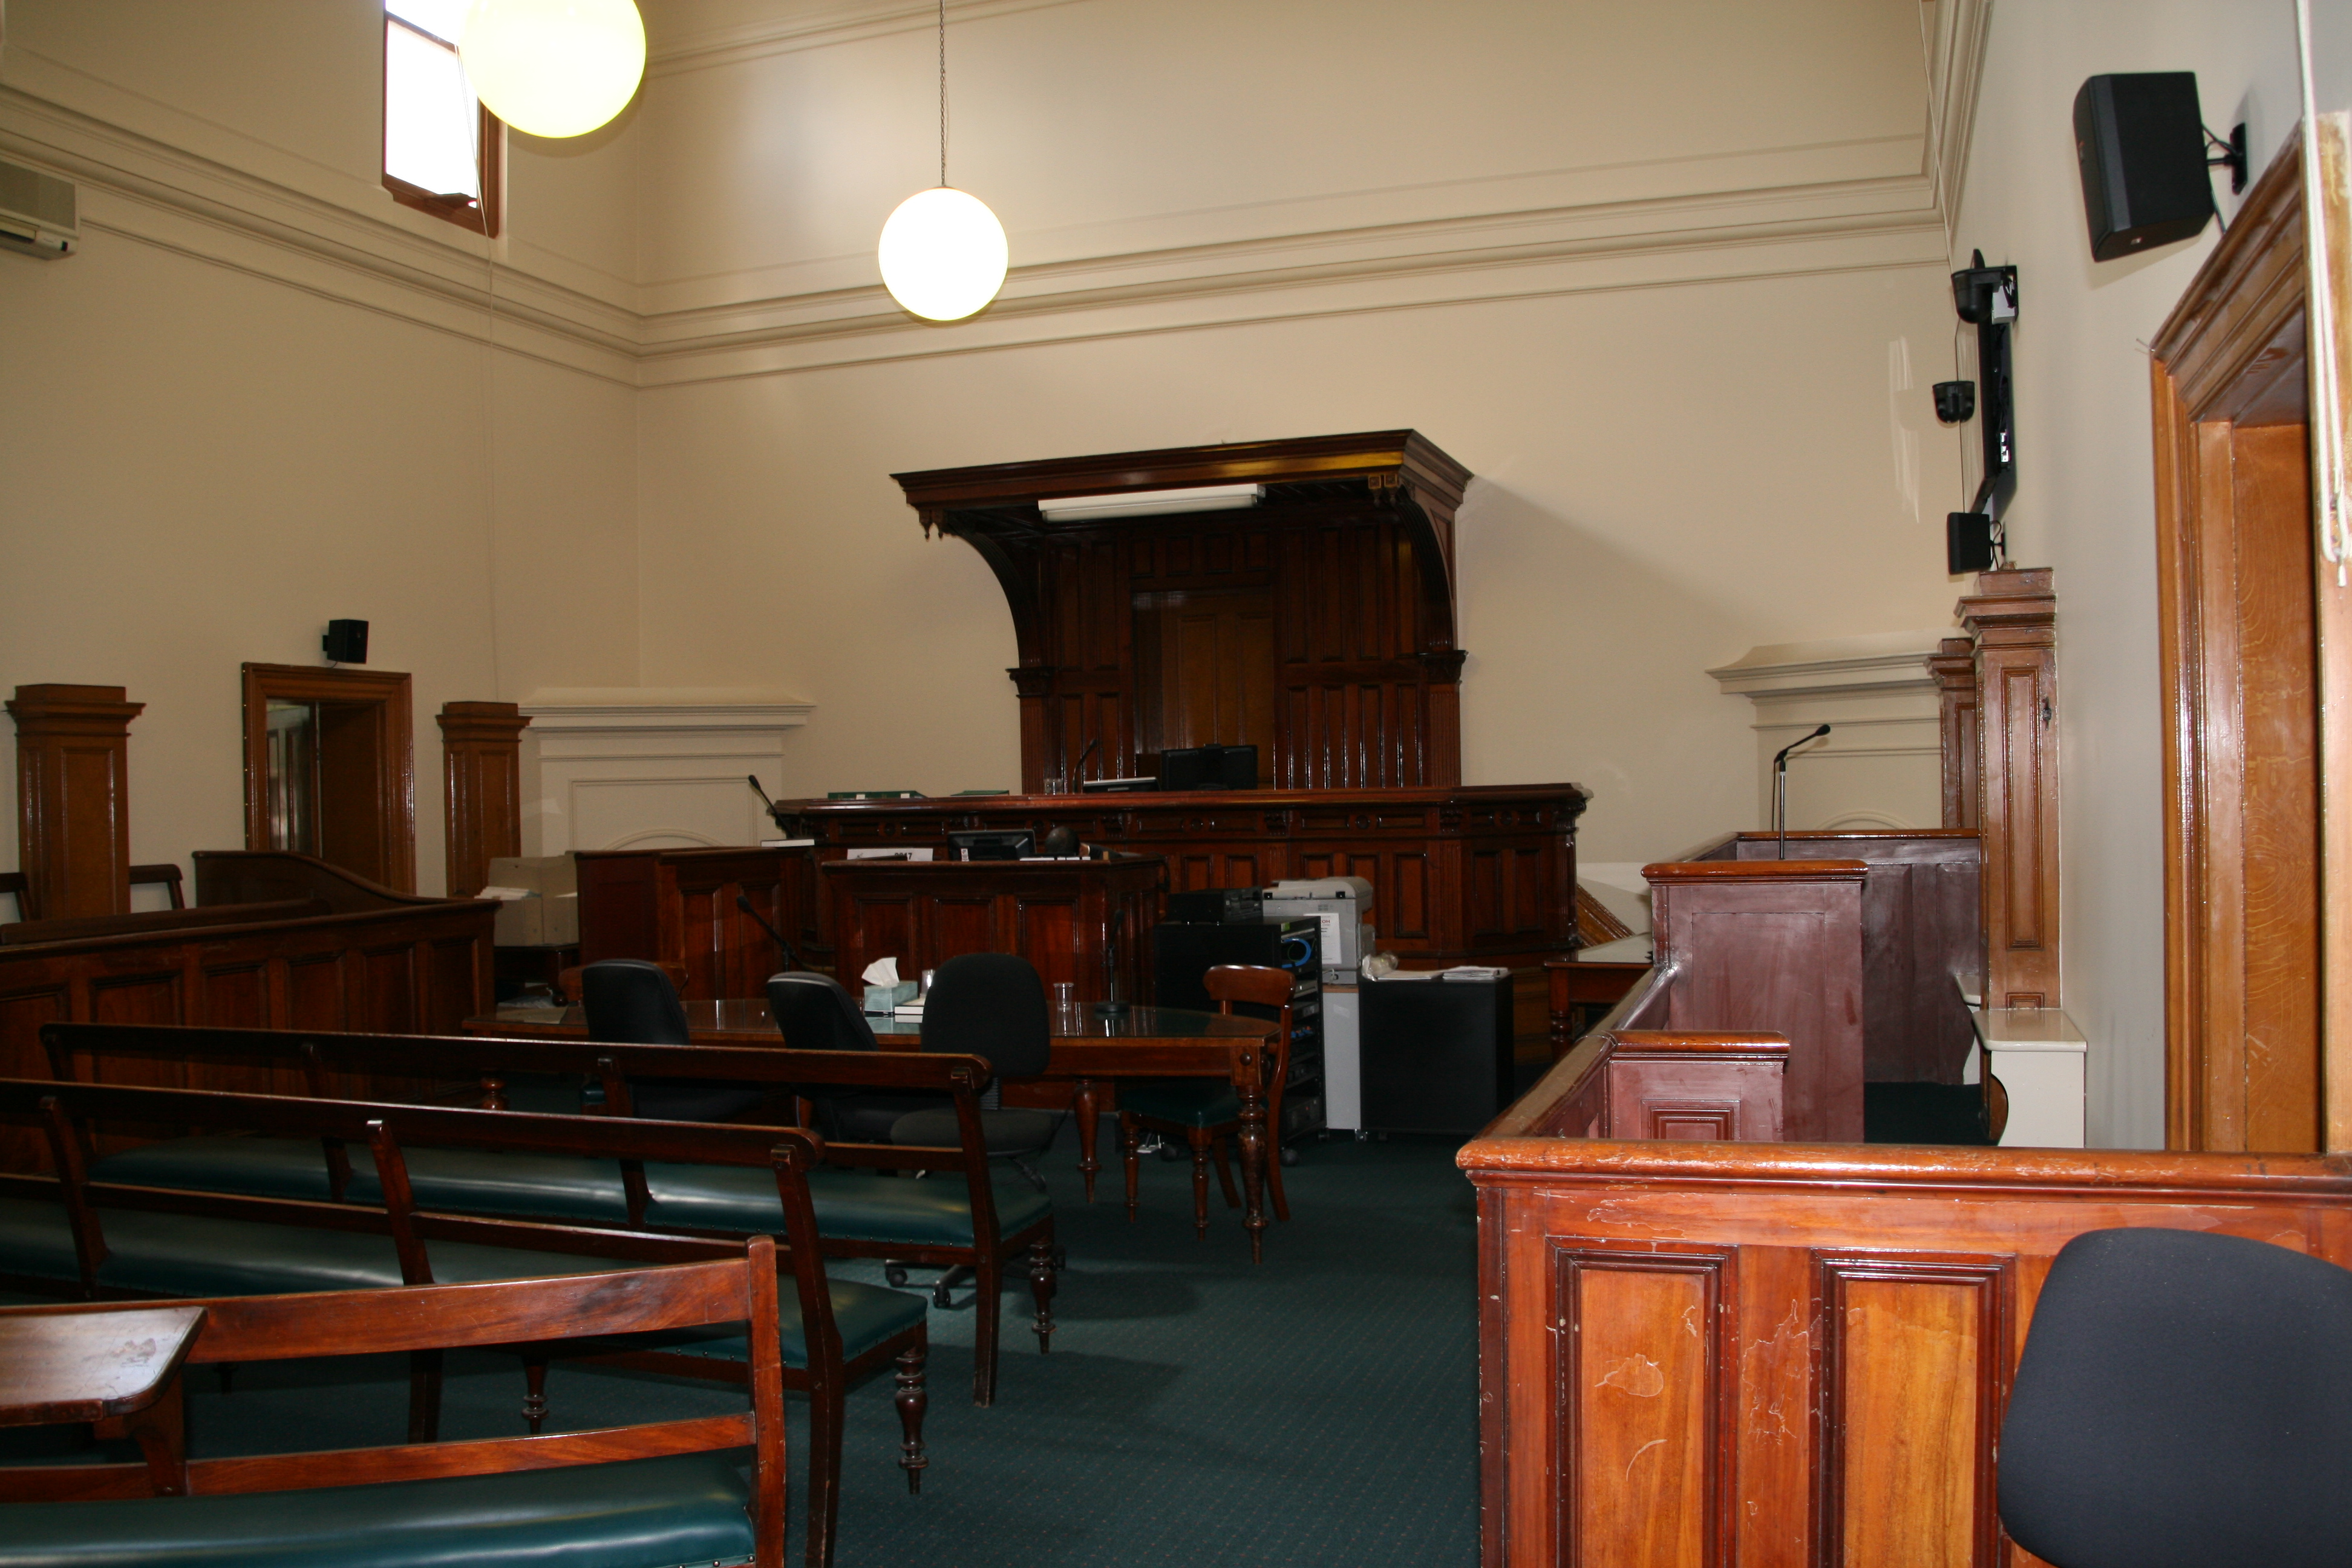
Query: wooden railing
x=1783, y=1355
x=305, y=946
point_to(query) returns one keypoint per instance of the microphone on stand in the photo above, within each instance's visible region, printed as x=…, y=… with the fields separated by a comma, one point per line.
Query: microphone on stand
x=1078, y=768
x=1781, y=788
x=745, y=905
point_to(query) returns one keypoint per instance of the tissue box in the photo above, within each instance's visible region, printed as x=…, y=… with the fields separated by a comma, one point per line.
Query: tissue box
x=886, y=998
x=548, y=915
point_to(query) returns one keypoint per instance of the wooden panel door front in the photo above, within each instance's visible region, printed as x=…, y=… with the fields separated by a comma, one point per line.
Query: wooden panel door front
x=1207, y=670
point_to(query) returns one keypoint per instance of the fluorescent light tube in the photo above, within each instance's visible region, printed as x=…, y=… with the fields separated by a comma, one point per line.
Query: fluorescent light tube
x=1150, y=503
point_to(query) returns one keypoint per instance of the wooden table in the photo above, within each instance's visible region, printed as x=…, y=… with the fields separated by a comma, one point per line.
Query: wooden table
x=116, y=1368
x=1087, y=1051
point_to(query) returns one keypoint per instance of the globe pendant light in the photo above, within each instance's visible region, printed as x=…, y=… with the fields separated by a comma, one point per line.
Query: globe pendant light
x=943, y=253
x=554, y=67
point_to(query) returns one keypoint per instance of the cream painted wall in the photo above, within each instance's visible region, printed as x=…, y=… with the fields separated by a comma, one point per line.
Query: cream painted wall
x=2085, y=501
x=1666, y=477
x=209, y=452
x=1662, y=276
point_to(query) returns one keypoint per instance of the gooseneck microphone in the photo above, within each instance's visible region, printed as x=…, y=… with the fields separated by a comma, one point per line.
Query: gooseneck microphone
x=1781, y=788
x=1078, y=768
x=745, y=905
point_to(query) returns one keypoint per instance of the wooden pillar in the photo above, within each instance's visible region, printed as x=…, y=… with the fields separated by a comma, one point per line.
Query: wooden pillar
x=1443, y=764
x=73, y=817
x=1954, y=666
x=1040, y=755
x=481, y=761
x=2012, y=619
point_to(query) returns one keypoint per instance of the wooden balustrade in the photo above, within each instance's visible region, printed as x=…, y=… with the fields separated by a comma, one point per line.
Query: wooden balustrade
x=1785, y=1355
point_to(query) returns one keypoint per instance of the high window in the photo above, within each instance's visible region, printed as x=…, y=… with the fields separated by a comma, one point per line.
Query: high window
x=441, y=147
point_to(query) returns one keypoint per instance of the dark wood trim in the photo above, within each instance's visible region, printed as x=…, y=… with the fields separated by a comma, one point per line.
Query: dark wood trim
x=2012, y=619
x=1954, y=667
x=73, y=813
x=395, y=805
x=1354, y=542
x=481, y=774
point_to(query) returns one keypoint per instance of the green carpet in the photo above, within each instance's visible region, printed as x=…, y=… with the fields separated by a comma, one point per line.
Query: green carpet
x=1321, y=1409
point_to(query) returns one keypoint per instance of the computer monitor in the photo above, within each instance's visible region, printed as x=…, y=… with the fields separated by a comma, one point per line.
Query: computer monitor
x=992, y=846
x=1209, y=767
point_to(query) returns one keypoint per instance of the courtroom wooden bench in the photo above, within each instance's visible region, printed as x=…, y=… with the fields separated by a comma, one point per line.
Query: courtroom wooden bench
x=645, y=1495
x=113, y=1238
x=862, y=1209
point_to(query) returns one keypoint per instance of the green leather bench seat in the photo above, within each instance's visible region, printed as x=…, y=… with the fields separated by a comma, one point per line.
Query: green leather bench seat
x=467, y=1181
x=854, y=1205
x=184, y=1255
x=1186, y=1101
x=639, y=1513
x=189, y=1255
x=851, y=1206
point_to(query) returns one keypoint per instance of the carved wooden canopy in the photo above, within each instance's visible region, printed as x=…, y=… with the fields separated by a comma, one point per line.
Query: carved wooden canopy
x=1317, y=624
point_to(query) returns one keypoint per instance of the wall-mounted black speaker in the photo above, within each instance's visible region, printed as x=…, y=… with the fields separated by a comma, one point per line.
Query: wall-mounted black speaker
x=1968, y=542
x=2140, y=139
x=346, y=642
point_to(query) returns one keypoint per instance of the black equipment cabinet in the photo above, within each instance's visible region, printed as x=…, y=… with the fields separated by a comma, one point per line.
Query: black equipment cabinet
x=1181, y=954
x=1436, y=1054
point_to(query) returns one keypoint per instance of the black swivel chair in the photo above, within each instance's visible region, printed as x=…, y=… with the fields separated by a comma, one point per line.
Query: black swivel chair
x=815, y=1013
x=629, y=1002
x=990, y=1004
x=2183, y=1399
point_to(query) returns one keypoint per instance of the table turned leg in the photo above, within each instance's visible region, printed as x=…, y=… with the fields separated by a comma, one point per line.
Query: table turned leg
x=1252, y=1141
x=1084, y=1104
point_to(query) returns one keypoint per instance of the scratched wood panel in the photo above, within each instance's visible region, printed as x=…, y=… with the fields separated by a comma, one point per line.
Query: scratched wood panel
x=1640, y=1429
x=1913, y=1366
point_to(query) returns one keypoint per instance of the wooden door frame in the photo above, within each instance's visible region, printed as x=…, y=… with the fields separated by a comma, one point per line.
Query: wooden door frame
x=2232, y=355
x=389, y=694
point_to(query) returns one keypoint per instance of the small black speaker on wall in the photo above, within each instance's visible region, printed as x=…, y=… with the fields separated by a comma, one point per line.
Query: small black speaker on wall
x=2140, y=139
x=1968, y=542
x=346, y=642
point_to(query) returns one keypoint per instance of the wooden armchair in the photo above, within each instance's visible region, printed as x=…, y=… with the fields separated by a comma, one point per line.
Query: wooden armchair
x=1205, y=1111
x=651, y=1493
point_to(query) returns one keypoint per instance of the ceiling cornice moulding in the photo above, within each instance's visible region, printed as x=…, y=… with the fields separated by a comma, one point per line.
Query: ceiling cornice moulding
x=157, y=195
x=845, y=25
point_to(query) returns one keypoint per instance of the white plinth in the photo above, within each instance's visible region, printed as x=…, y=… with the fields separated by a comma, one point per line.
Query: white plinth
x=1343, y=1062
x=2038, y=1054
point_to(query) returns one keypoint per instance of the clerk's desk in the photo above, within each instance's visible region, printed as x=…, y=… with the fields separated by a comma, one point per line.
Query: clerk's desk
x=1460, y=874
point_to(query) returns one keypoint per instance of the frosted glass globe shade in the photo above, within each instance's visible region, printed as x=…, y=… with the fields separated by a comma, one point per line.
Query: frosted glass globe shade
x=554, y=67
x=943, y=254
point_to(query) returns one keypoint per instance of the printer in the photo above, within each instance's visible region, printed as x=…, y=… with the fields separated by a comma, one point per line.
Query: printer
x=1342, y=905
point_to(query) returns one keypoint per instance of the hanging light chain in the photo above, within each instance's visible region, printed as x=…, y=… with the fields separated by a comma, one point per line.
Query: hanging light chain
x=943, y=91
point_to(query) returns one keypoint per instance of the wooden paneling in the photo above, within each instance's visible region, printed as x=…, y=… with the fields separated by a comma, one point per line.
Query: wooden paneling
x=1485, y=873
x=481, y=770
x=1062, y=916
x=1319, y=623
x=73, y=813
x=2012, y=617
x=1772, y=945
x=1920, y=926
x=1639, y=1366
x=1828, y=1334
x=384, y=961
x=1954, y=666
x=700, y=926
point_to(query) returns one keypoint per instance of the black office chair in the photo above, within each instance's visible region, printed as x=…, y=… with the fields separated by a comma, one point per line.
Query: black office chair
x=815, y=1013
x=2183, y=1401
x=629, y=1002
x=990, y=1004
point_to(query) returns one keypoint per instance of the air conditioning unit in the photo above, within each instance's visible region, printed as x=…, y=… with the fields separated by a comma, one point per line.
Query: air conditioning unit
x=38, y=213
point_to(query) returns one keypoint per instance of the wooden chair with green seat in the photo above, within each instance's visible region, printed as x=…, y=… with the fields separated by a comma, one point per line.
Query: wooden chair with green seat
x=1205, y=1113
